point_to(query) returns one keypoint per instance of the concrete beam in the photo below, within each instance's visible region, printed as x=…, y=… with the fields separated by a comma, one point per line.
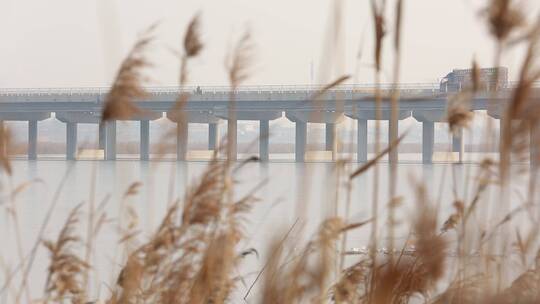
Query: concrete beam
x=430, y=115
x=362, y=141
x=193, y=116
x=71, y=141
x=264, y=140
x=315, y=116
x=24, y=116
x=300, y=141
x=90, y=117
x=79, y=117
x=428, y=141
x=371, y=114
x=144, y=148
x=249, y=115
x=32, y=139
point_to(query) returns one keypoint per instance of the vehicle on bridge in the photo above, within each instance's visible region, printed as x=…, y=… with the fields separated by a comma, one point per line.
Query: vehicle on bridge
x=490, y=79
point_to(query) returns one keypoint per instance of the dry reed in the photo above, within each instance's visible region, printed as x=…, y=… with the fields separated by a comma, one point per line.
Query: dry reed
x=64, y=278
x=128, y=84
x=193, y=254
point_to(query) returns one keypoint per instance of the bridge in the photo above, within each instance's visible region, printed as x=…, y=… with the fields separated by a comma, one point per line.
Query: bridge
x=209, y=105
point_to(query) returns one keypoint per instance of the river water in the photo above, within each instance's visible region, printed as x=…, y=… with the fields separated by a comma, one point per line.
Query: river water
x=287, y=187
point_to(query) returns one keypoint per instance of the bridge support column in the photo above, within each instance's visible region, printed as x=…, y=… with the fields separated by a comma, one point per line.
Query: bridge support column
x=110, y=140
x=213, y=136
x=102, y=135
x=3, y=143
x=32, y=139
x=457, y=143
x=393, y=156
x=301, y=141
x=330, y=140
x=362, y=141
x=182, y=133
x=144, y=149
x=71, y=141
x=232, y=139
x=264, y=140
x=428, y=141
x=534, y=146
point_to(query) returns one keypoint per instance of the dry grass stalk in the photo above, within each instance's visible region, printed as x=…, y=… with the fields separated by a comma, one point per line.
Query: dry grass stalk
x=377, y=11
x=459, y=113
x=5, y=139
x=305, y=277
x=504, y=16
x=376, y=159
x=192, y=46
x=190, y=259
x=522, y=109
x=128, y=84
x=330, y=86
x=238, y=63
x=65, y=271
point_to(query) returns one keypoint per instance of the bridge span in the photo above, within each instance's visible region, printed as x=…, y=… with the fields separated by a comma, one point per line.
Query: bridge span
x=209, y=105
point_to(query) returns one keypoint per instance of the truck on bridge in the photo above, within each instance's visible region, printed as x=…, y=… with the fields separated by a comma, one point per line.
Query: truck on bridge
x=489, y=79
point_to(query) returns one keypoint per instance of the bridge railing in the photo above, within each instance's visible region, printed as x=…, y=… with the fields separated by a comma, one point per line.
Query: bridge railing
x=220, y=89
x=267, y=89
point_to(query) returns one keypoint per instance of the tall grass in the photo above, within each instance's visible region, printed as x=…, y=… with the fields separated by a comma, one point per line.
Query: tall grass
x=193, y=255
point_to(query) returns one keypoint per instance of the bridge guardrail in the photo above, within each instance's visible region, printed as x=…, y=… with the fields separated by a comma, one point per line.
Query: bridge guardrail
x=266, y=89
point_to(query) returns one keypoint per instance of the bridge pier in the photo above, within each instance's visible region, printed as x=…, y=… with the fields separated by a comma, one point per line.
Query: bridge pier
x=264, y=118
x=32, y=118
x=232, y=139
x=182, y=139
x=213, y=136
x=300, y=141
x=183, y=119
x=362, y=141
x=362, y=116
x=428, y=141
x=32, y=139
x=534, y=146
x=71, y=141
x=144, y=148
x=110, y=140
x=102, y=136
x=428, y=119
x=458, y=144
x=264, y=139
x=302, y=117
x=330, y=139
x=72, y=119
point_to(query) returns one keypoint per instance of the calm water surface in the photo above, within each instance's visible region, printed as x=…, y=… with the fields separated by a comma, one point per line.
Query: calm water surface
x=291, y=191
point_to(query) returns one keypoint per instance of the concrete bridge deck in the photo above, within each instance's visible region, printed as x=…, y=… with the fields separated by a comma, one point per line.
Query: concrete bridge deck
x=300, y=104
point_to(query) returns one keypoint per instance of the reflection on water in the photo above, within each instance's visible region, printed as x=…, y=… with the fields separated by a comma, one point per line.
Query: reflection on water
x=290, y=191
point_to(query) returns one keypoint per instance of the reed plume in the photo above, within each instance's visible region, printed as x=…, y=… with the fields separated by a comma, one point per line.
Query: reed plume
x=504, y=17
x=128, y=84
x=191, y=256
x=521, y=109
x=65, y=272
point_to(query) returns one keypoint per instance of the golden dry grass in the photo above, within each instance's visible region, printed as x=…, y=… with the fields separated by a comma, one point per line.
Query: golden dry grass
x=193, y=255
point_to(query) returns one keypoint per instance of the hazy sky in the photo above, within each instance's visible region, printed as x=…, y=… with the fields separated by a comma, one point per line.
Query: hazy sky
x=57, y=43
